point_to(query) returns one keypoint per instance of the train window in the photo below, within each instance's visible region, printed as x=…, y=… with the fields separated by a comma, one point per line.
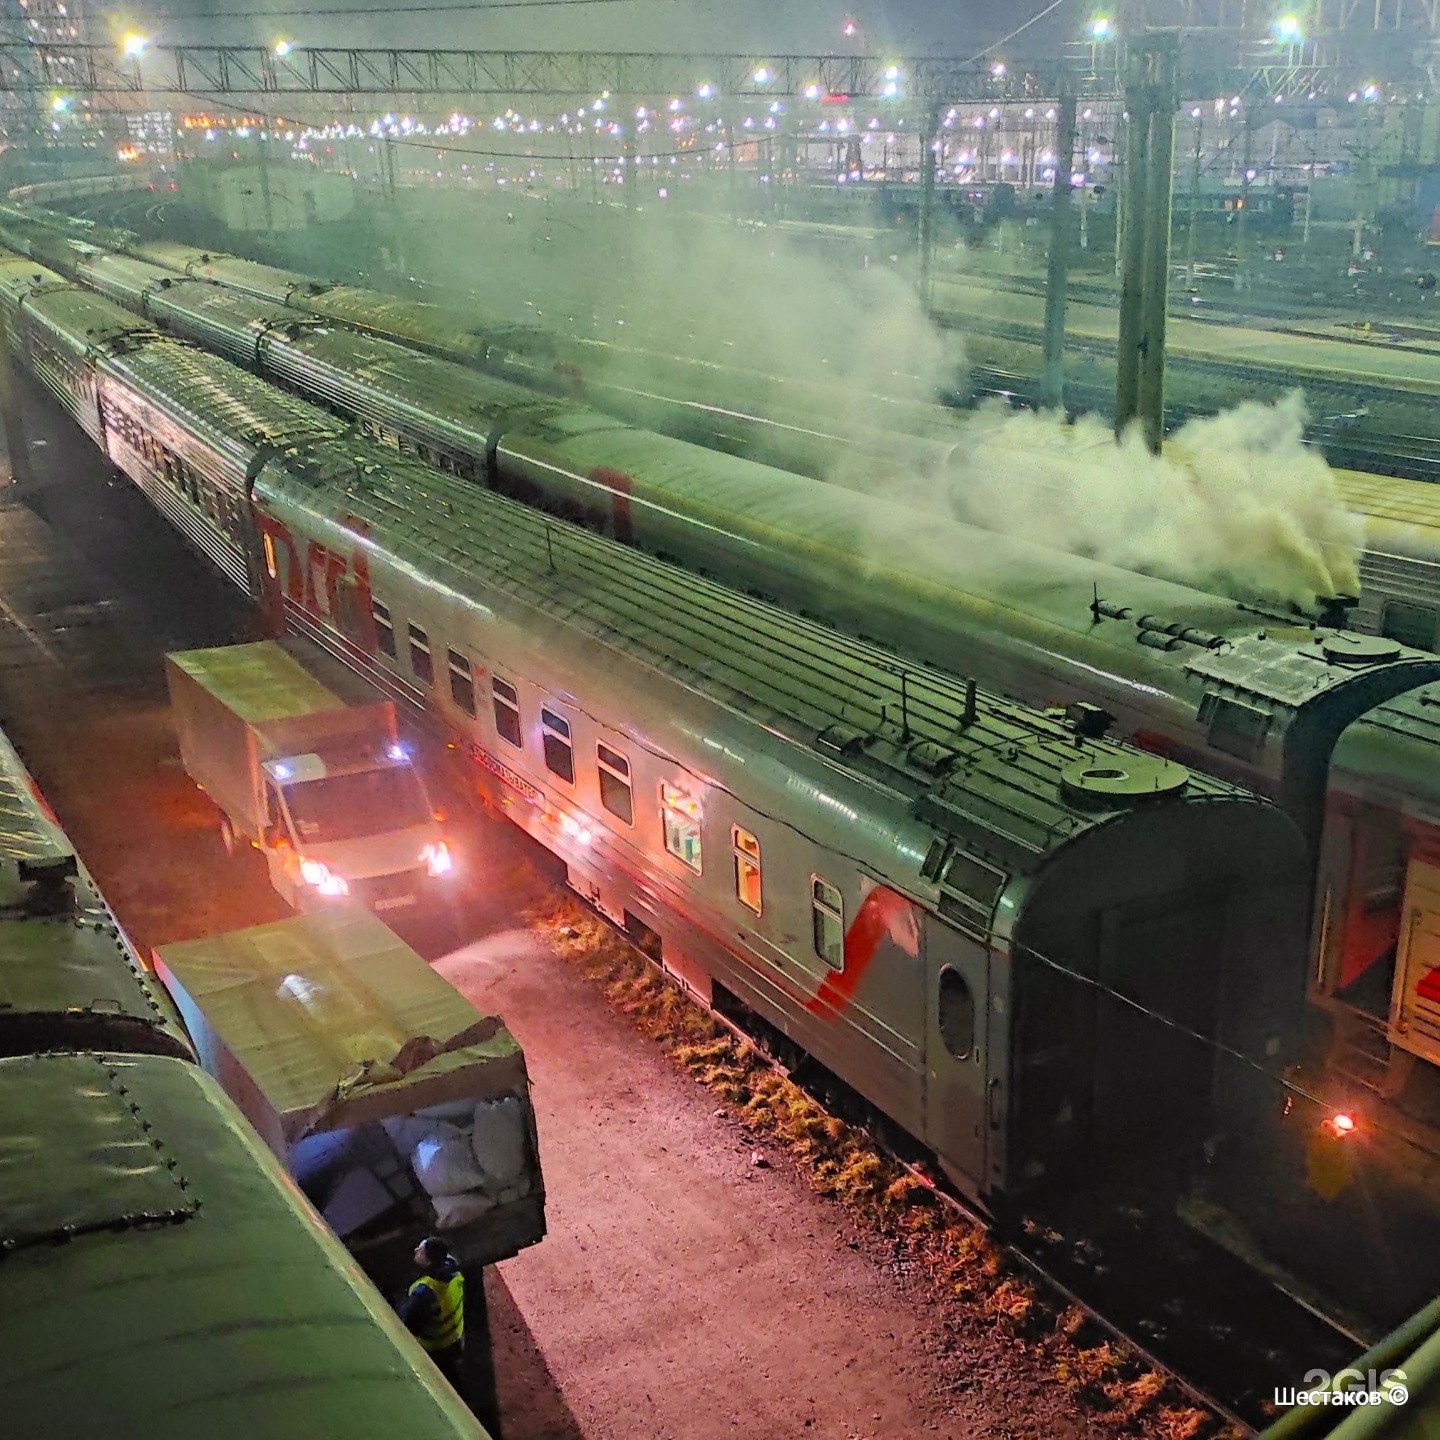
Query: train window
x=827, y=922
x=955, y=1007
x=320, y=583
x=421, y=661
x=462, y=684
x=615, y=793
x=680, y=818
x=559, y=755
x=1235, y=728
x=1410, y=624
x=507, y=711
x=746, y=850
x=384, y=628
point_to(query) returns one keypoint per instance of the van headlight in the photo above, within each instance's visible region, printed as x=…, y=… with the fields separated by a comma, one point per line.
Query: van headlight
x=438, y=859
x=323, y=878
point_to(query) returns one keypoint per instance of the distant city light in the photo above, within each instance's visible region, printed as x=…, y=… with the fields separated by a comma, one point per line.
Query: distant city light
x=849, y=29
x=282, y=48
x=1287, y=27
x=812, y=92
x=134, y=46
x=706, y=91
x=763, y=75
x=997, y=69
x=60, y=104
x=1100, y=28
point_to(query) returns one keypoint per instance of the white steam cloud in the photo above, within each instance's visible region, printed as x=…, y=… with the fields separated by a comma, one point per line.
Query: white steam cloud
x=1234, y=504
x=794, y=329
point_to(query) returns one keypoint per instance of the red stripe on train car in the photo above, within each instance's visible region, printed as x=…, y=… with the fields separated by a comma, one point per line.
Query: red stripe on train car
x=882, y=913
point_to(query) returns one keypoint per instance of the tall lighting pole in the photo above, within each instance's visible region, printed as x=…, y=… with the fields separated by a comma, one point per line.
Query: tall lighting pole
x=1152, y=85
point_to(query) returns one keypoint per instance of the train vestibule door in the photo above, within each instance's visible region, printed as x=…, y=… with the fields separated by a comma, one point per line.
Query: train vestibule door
x=1415, y=1001
x=957, y=1005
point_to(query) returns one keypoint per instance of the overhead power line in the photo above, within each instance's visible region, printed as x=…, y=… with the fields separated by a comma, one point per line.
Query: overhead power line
x=399, y=12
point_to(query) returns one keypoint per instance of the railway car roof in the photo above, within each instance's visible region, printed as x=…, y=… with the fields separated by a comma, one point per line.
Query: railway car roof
x=1003, y=780
x=163, y=1279
x=219, y=400
x=68, y=978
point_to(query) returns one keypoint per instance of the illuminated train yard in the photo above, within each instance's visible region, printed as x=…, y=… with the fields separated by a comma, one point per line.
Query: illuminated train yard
x=143, y=1219
x=419, y=579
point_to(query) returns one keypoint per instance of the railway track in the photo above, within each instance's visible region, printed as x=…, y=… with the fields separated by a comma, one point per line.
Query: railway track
x=1224, y=1335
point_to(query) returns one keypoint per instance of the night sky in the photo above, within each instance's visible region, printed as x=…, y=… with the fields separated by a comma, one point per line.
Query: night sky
x=889, y=26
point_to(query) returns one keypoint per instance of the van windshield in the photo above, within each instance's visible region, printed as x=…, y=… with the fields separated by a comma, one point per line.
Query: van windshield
x=366, y=802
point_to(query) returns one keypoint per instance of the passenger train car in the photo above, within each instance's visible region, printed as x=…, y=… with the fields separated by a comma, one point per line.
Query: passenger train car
x=963, y=906
x=161, y=1275
x=1250, y=697
x=677, y=396
x=735, y=411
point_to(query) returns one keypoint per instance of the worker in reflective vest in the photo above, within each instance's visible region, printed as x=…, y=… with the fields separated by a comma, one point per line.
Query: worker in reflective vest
x=434, y=1308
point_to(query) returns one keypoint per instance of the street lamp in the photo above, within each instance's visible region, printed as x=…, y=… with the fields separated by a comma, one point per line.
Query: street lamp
x=134, y=46
x=1287, y=28
x=1101, y=31
x=282, y=49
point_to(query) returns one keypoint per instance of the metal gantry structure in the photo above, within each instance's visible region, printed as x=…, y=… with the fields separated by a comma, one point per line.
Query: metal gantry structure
x=254, y=73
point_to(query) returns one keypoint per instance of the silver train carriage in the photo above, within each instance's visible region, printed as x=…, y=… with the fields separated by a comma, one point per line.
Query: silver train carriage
x=1400, y=565
x=1209, y=682
x=936, y=892
x=161, y=1274
x=1253, y=697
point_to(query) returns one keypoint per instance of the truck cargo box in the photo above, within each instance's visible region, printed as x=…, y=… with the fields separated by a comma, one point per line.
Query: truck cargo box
x=388, y=1095
x=237, y=706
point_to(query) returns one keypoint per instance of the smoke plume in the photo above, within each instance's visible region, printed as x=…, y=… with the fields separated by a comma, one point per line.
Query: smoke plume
x=1235, y=503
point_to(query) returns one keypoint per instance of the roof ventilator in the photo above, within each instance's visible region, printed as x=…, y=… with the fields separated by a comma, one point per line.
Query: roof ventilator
x=1111, y=782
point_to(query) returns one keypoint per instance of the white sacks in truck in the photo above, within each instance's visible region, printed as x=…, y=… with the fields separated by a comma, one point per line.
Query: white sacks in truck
x=467, y=1169
x=500, y=1143
x=444, y=1162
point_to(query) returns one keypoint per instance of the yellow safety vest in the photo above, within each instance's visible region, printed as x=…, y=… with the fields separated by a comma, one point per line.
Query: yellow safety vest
x=448, y=1328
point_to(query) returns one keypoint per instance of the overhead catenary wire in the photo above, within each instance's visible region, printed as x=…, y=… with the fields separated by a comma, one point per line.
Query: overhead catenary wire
x=450, y=146
x=320, y=11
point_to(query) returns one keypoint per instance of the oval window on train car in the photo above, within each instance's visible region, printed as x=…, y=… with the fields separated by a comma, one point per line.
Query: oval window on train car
x=956, y=1014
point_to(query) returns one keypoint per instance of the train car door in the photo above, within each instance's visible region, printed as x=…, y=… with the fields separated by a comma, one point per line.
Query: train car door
x=957, y=974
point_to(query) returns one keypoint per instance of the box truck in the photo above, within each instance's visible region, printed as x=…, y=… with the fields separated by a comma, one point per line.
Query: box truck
x=325, y=790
